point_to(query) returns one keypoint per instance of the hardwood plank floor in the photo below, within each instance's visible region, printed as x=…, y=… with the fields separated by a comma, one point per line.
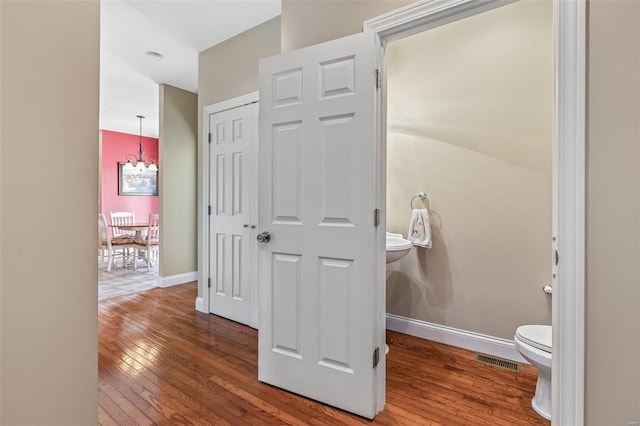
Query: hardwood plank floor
x=161, y=362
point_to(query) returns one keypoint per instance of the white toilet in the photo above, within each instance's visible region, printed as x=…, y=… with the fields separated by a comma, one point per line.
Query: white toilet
x=534, y=344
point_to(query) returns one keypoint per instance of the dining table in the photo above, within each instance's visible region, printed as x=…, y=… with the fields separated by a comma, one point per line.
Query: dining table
x=141, y=233
x=139, y=228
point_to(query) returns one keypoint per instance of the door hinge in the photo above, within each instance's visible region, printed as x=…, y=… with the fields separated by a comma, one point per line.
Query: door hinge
x=209, y=210
x=376, y=217
x=376, y=357
x=377, y=78
x=209, y=282
x=209, y=137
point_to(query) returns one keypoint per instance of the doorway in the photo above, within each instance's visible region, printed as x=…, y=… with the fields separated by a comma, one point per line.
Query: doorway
x=569, y=175
x=123, y=278
x=469, y=122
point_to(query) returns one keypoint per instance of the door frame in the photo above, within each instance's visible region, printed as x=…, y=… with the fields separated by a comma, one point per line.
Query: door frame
x=203, y=304
x=568, y=311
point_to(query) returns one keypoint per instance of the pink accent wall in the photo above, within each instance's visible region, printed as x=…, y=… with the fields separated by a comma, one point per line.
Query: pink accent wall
x=115, y=147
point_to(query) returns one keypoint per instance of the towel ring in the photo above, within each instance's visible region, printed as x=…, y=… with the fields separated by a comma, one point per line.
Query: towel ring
x=423, y=197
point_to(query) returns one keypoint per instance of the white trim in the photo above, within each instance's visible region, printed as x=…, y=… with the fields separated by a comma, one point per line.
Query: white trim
x=569, y=134
x=426, y=14
x=568, y=314
x=249, y=98
x=188, y=277
x=379, y=193
x=203, y=214
x=200, y=305
x=477, y=342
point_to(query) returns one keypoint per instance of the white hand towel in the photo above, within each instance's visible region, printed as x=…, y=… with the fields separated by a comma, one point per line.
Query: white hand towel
x=420, y=229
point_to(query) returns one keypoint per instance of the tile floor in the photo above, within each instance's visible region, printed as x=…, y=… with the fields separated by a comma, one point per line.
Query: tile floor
x=122, y=280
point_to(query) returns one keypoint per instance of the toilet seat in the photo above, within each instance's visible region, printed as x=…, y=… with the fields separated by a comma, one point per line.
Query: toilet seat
x=538, y=336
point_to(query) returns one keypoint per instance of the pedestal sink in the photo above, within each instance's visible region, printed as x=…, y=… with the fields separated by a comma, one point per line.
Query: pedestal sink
x=397, y=247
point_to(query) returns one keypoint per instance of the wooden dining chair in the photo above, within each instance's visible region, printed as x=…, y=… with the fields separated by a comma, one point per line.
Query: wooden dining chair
x=112, y=246
x=150, y=243
x=123, y=237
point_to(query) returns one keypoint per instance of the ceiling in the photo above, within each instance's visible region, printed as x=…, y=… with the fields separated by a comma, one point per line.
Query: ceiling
x=178, y=30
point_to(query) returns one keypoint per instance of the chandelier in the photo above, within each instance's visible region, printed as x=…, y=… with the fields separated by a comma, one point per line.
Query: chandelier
x=138, y=162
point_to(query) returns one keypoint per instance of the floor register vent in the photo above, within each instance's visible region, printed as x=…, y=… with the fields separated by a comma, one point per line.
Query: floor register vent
x=503, y=363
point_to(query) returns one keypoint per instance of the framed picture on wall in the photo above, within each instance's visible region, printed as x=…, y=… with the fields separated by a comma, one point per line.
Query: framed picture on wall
x=134, y=182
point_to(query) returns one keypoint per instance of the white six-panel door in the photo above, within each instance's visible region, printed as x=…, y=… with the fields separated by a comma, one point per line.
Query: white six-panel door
x=233, y=147
x=317, y=283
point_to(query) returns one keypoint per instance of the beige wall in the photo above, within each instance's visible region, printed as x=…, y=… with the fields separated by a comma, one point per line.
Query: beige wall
x=309, y=22
x=613, y=214
x=48, y=194
x=228, y=70
x=469, y=112
x=177, y=148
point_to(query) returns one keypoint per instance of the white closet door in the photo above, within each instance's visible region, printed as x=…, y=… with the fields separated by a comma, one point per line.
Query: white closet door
x=233, y=145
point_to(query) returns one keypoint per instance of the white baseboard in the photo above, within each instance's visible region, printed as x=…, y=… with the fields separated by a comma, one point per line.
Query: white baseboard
x=477, y=342
x=200, y=305
x=172, y=280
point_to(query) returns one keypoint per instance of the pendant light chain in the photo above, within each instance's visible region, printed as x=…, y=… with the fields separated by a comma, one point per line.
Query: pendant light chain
x=140, y=151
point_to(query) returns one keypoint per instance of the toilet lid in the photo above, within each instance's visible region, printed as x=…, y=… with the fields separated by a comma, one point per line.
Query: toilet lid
x=538, y=336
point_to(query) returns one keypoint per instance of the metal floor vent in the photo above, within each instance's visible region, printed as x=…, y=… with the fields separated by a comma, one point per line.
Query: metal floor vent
x=498, y=362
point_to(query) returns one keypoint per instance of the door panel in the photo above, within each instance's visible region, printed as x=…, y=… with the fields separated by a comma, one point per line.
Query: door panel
x=336, y=292
x=237, y=183
x=318, y=272
x=234, y=136
x=337, y=146
x=220, y=184
x=287, y=167
x=286, y=323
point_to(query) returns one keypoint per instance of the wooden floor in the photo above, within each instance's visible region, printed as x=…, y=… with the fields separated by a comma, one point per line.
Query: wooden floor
x=161, y=362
